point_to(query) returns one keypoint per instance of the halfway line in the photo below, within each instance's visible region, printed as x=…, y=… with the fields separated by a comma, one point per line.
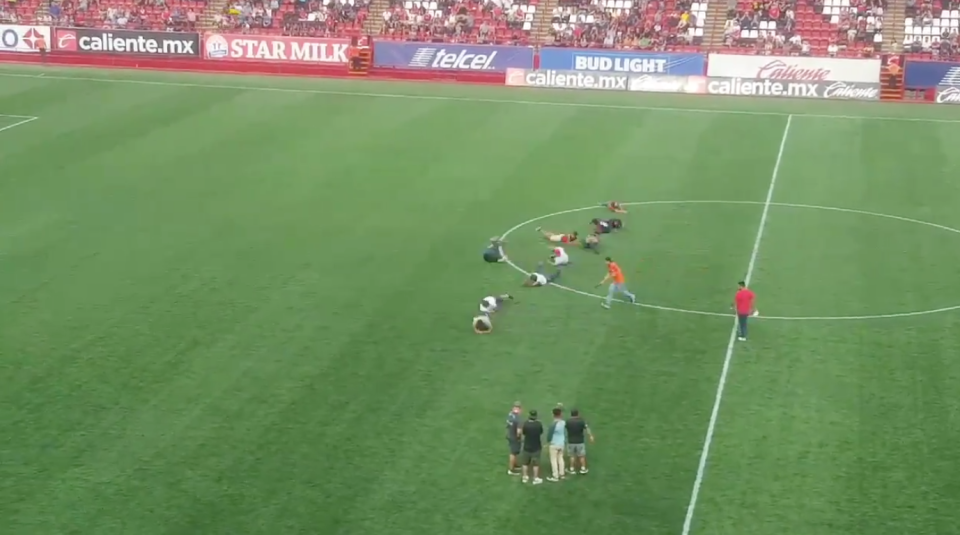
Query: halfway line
x=16, y=124
x=711, y=427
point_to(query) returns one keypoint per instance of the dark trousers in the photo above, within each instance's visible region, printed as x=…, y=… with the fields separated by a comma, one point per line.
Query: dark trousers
x=742, y=325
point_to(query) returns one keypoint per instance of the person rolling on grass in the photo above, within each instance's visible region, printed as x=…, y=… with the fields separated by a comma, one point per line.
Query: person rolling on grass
x=492, y=303
x=577, y=431
x=538, y=279
x=557, y=438
x=557, y=237
x=606, y=226
x=559, y=257
x=494, y=251
x=482, y=324
x=614, y=207
x=617, y=284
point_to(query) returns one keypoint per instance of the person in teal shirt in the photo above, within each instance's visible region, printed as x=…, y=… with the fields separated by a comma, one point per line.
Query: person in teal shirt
x=557, y=437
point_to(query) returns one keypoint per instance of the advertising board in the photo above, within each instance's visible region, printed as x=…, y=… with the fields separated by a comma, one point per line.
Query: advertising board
x=795, y=68
x=795, y=89
x=126, y=42
x=948, y=94
x=565, y=59
x=609, y=81
x=555, y=79
x=15, y=38
x=451, y=56
x=275, y=48
x=930, y=74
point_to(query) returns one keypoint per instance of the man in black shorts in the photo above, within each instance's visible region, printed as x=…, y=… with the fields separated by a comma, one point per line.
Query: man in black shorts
x=513, y=438
x=531, y=433
x=577, y=431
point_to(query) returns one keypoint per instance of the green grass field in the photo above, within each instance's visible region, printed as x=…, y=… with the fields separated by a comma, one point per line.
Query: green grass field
x=236, y=305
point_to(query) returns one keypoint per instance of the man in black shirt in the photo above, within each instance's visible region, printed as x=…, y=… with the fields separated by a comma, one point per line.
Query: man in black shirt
x=531, y=433
x=577, y=431
x=513, y=438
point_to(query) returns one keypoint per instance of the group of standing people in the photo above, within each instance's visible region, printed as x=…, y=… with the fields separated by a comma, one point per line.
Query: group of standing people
x=566, y=438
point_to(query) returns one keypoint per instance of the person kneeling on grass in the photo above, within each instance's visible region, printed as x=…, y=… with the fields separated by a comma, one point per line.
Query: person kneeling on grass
x=538, y=279
x=494, y=251
x=592, y=243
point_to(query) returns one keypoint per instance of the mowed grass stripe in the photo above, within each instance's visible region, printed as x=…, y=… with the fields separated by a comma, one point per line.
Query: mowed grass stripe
x=805, y=445
x=228, y=306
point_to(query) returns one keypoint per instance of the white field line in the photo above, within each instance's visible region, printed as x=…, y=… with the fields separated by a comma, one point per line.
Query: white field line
x=728, y=357
x=18, y=123
x=585, y=105
x=728, y=314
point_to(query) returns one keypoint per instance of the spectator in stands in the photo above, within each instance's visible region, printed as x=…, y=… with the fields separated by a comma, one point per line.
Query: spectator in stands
x=833, y=49
x=731, y=32
x=486, y=32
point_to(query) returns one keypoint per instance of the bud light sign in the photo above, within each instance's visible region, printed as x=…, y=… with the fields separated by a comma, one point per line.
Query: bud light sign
x=451, y=57
x=624, y=62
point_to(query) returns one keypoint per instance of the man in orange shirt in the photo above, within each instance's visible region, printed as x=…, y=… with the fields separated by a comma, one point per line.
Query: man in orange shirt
x=617, y=284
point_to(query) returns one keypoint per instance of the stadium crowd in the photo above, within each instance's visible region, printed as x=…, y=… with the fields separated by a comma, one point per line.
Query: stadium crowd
x=643, y=24
x=302, y=18
x=491, y=22
x=805, y=27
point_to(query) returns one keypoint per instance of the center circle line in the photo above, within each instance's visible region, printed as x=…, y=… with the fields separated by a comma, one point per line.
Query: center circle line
x=755, y=203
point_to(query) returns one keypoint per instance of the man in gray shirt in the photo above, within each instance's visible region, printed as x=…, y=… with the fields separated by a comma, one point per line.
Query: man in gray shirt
x=513, y=438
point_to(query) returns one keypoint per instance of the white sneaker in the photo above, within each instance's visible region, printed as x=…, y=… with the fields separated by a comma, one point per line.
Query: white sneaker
x=525, y=479
x=584, y=470
x=604, y=305
x=741, y=339
x=513, y=472
x=537, y=481
x=552, y=479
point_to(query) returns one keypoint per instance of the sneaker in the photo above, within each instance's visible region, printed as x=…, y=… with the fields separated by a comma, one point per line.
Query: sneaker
x=571, y=471
x=552, y=479
x=513, y=472
x=633, y=299
x=742, y=339
x=605, y=305
x=525, y=479
x=584, y=471
x=537, y=481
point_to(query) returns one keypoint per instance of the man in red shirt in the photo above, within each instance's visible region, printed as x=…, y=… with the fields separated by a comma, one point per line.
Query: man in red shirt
x=743, y=303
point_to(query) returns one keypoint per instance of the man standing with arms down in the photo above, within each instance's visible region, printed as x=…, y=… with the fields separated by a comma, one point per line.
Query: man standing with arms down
x=577, y=431
x=557, y=438
x=513, y=438
x=743, y=302
x=531, y=433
